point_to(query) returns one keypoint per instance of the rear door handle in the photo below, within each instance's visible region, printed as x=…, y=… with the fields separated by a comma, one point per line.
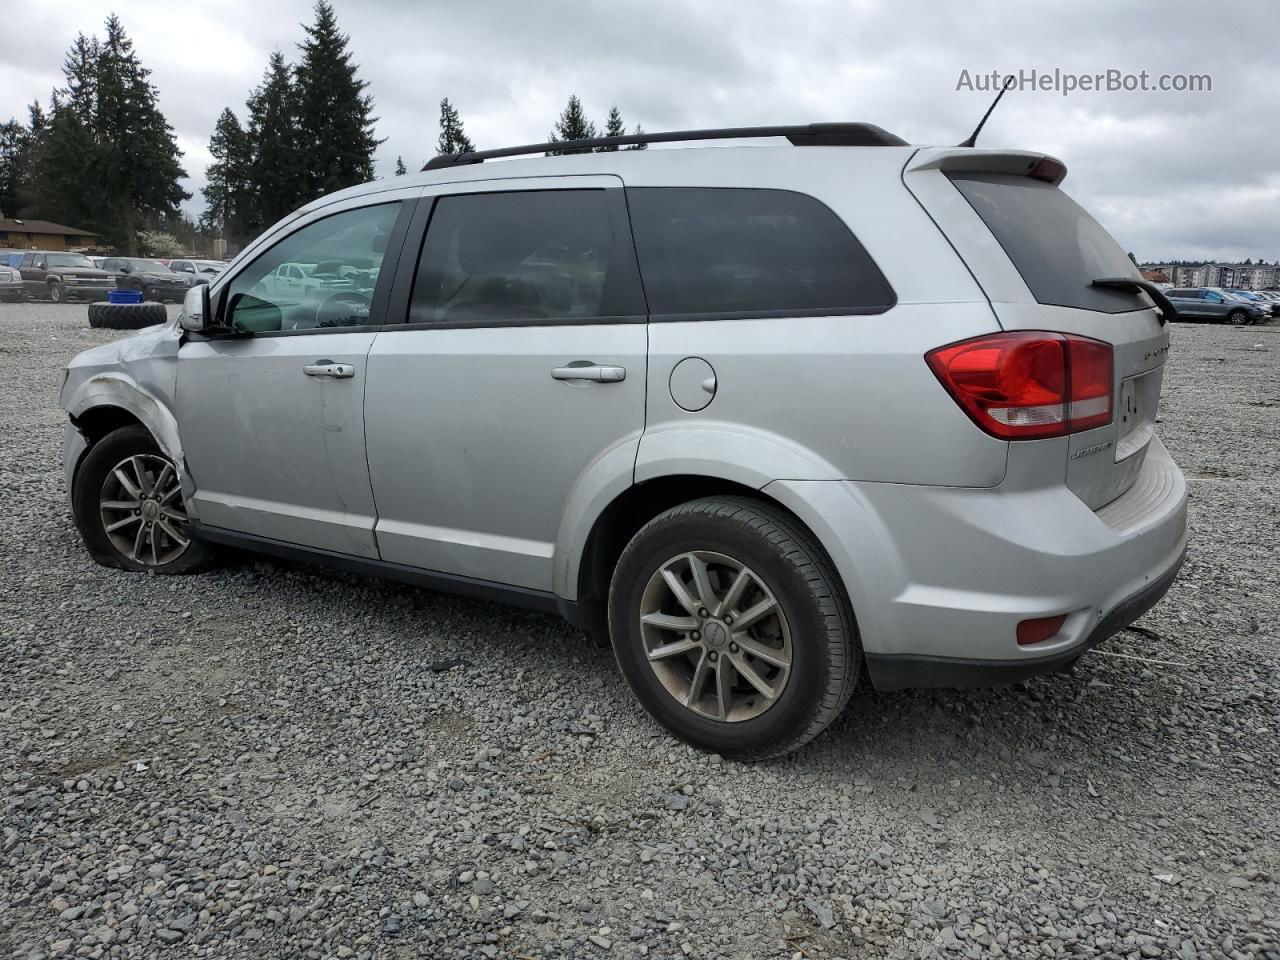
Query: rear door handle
x=589, y=371
x=327, y=368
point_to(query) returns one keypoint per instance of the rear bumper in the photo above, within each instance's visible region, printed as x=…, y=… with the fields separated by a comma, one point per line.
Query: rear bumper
x=940, y=577
x=896, y=672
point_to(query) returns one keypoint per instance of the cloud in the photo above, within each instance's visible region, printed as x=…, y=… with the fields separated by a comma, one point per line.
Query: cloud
x=1171, y=174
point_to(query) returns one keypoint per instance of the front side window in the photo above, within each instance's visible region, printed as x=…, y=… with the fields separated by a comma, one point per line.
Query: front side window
x=723, y=251
x=346, y=250
x=523, y=256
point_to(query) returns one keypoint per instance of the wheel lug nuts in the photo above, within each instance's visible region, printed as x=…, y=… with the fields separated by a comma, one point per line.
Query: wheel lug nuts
x=733, y=648
x=702, y=612
x=696, y=635
x=728, y=618
x=714, y=656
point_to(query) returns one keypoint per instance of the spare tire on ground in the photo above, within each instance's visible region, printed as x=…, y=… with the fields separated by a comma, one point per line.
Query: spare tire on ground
x=127, y=316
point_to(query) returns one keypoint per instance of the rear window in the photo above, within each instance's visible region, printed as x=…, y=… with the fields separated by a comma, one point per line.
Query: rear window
x=727, y=252
x=1057, y=247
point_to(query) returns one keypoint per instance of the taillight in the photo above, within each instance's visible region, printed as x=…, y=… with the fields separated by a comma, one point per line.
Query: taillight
x=1039, y=630
x=1028, y=385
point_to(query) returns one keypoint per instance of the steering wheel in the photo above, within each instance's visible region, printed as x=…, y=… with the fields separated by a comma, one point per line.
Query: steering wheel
x=346, y=309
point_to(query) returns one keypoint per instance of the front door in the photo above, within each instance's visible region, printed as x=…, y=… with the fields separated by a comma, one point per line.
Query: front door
x=272, y=419
x=515, y=391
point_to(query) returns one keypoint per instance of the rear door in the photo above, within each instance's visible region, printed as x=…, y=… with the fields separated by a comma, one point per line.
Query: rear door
x=1036, y=253
x=514, y=393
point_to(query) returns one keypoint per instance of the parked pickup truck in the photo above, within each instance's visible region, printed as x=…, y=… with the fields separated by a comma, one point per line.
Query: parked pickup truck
x=63, y=276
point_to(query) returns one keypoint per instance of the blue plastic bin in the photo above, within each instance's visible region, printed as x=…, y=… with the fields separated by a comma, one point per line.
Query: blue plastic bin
x=124, y=296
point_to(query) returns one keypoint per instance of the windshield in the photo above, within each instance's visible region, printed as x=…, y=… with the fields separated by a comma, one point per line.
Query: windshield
x=69, y=260
x=139, y=264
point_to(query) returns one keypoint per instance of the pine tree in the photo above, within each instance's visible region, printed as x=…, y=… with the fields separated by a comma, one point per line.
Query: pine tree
x=614, y=127
x=401, y=169
x=80, y=68
x=453, y=139
x=274, y=162
x=135, y=156
x=335, y=115
x=13, y=148
x=229, y=193
x=60, y=190
x=639, y=146
x=572, y=125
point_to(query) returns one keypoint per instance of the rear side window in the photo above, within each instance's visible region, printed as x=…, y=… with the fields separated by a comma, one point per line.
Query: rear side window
x=524, y=256
x=708, y=252
x=1184, y=294
x=1057, y=247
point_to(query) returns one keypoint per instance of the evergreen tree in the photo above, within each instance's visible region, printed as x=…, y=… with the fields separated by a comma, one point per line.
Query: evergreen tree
x=401, y=169
x=453, y=139
x=229, y=194
x=639, y=146
x=80, y=68
x=273, y=136
x=13, y=148
x=572, y=125
x=58, y=185
x=135, y=157
x=335, y=115
x=613, y=127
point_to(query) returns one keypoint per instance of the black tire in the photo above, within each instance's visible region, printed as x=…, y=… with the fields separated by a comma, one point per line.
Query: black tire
x=57, y=292
x=1237, y=318
x=86, y=490
x=149, y=295
x=826, y=652
x=127, y=316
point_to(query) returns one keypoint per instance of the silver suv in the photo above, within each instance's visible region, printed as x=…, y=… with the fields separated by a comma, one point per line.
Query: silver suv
x=771, y=419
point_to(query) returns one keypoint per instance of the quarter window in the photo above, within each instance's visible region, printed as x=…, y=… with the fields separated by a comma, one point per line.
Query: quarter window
x=721, y=251
x=524, y=256
x=342, y=258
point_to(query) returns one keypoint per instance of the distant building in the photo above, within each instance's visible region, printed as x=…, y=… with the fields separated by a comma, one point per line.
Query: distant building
x=1155, y=275
x=43, y=235
x=1243, y=276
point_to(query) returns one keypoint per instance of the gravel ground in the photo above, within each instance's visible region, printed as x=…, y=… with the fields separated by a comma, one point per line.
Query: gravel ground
x=274, y=761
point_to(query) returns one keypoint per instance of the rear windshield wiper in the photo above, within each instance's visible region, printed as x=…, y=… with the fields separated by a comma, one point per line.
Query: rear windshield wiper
x=1164, y=307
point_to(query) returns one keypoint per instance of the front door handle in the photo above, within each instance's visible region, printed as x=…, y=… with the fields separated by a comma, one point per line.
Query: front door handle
x=327, y=368
x=589, y=371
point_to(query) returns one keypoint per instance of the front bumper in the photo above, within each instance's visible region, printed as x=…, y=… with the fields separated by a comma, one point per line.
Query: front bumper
x=940, y=577
x=86, y=291
x=174, y=290
x=74, y=446
x=15, y=290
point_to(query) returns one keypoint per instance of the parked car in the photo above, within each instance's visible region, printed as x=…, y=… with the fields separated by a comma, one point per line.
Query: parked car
x=63, y=276
x=1206, y=303
x=765, y=418
x=155, y=280
x=1250, y=296
x=11, y=285
x=202, y=270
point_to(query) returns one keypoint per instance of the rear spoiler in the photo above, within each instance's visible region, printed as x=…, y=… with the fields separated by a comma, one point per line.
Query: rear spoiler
x=1020, y=163
x=1164, y=306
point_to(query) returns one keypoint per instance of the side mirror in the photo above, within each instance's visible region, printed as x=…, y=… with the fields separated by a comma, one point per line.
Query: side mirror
x=195, y=309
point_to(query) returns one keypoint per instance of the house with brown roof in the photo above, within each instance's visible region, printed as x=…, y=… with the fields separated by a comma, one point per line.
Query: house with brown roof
x=18, y=234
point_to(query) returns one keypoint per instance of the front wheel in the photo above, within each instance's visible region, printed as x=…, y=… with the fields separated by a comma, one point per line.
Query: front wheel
x=1238, y=318
x=127, y=501
x=57, y=292
x=732, y=628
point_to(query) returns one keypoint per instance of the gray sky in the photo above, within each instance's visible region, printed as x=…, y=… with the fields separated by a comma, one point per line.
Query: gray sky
x=1170, y=174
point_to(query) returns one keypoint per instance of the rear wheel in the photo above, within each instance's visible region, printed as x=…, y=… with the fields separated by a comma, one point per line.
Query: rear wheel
x=732, y=628
x=127, y=501
x=57, y=292
x=1238, y=318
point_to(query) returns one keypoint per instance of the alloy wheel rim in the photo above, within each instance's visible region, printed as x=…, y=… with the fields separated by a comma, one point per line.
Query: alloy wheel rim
x=715, y=636
x=142, y=512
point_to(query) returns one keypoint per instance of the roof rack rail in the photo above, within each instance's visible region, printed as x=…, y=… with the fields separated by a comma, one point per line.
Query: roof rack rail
x=800, y=135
